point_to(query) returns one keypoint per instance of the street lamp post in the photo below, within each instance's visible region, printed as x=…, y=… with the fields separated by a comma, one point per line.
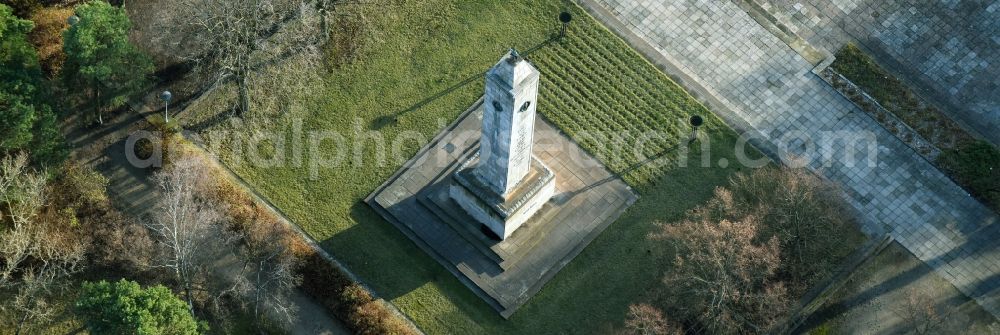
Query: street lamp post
x=165, y=96
x=696, y=121
x=565, y=18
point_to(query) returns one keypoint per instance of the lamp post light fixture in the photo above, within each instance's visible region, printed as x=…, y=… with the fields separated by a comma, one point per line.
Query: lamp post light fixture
x=165, y=96
x=696, y=121
x=72, y=20
x=565, y=18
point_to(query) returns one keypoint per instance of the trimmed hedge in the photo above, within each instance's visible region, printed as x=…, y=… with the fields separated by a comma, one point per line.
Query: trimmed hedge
x=348, y=300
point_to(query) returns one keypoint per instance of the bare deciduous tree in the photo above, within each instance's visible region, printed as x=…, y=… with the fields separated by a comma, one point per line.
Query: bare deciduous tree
x=188, y=226
x=804, y=212
x=34, y=252
x=21, y=190
x=644, y=319
x=723, y=278
x=30, y=302
x=268, y=275
x=242, y=37
x=921, y=312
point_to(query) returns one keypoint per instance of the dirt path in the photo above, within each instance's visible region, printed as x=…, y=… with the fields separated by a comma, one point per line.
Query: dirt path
x=132, y=191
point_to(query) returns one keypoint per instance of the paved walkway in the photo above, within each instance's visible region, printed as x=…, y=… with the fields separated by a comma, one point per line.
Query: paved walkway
x=950, y=48
x=763, y=87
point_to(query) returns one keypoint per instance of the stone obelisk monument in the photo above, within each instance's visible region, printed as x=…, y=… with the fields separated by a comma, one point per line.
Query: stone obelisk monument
x=508, y=123
x=504, y=185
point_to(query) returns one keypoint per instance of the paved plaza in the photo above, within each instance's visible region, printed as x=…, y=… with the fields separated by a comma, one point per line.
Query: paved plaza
x=503, y=273
x=950, y=49
x=765, y=88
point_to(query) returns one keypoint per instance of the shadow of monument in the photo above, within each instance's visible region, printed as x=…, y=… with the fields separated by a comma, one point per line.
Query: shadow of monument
x=398, y=273
x=409, y=267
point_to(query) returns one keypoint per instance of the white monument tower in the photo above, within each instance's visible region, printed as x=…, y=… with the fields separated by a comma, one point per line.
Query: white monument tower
x=504, y=185
x=508, y=123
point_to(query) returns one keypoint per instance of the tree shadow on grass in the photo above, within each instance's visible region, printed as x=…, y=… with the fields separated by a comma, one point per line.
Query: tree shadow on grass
x=210, y=122
x=392, y=119
x=899, y=281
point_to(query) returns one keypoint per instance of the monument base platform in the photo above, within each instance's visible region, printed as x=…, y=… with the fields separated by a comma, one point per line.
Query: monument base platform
x=502, y=215
x=504, y=273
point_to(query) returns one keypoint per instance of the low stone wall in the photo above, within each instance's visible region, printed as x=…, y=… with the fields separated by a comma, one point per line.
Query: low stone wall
x=885, y=118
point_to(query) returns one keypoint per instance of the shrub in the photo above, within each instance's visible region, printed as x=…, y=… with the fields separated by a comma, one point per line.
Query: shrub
x=158, y=124
x=83, y=187
x=644, y=319
x=121, y=245
x=24, y=8
x=372, y=318
x=977, y=166
x=864, y=72
x=349, y=301
x=126, y=308
x=172, y=146
x=47, y=37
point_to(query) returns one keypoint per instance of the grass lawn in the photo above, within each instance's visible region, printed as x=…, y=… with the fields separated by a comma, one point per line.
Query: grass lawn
x=590, y=81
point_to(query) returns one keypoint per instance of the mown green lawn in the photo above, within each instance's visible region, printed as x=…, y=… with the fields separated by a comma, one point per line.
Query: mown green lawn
x=591, y=81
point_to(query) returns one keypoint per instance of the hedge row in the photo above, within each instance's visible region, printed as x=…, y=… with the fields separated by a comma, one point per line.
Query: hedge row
x=324, y=282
